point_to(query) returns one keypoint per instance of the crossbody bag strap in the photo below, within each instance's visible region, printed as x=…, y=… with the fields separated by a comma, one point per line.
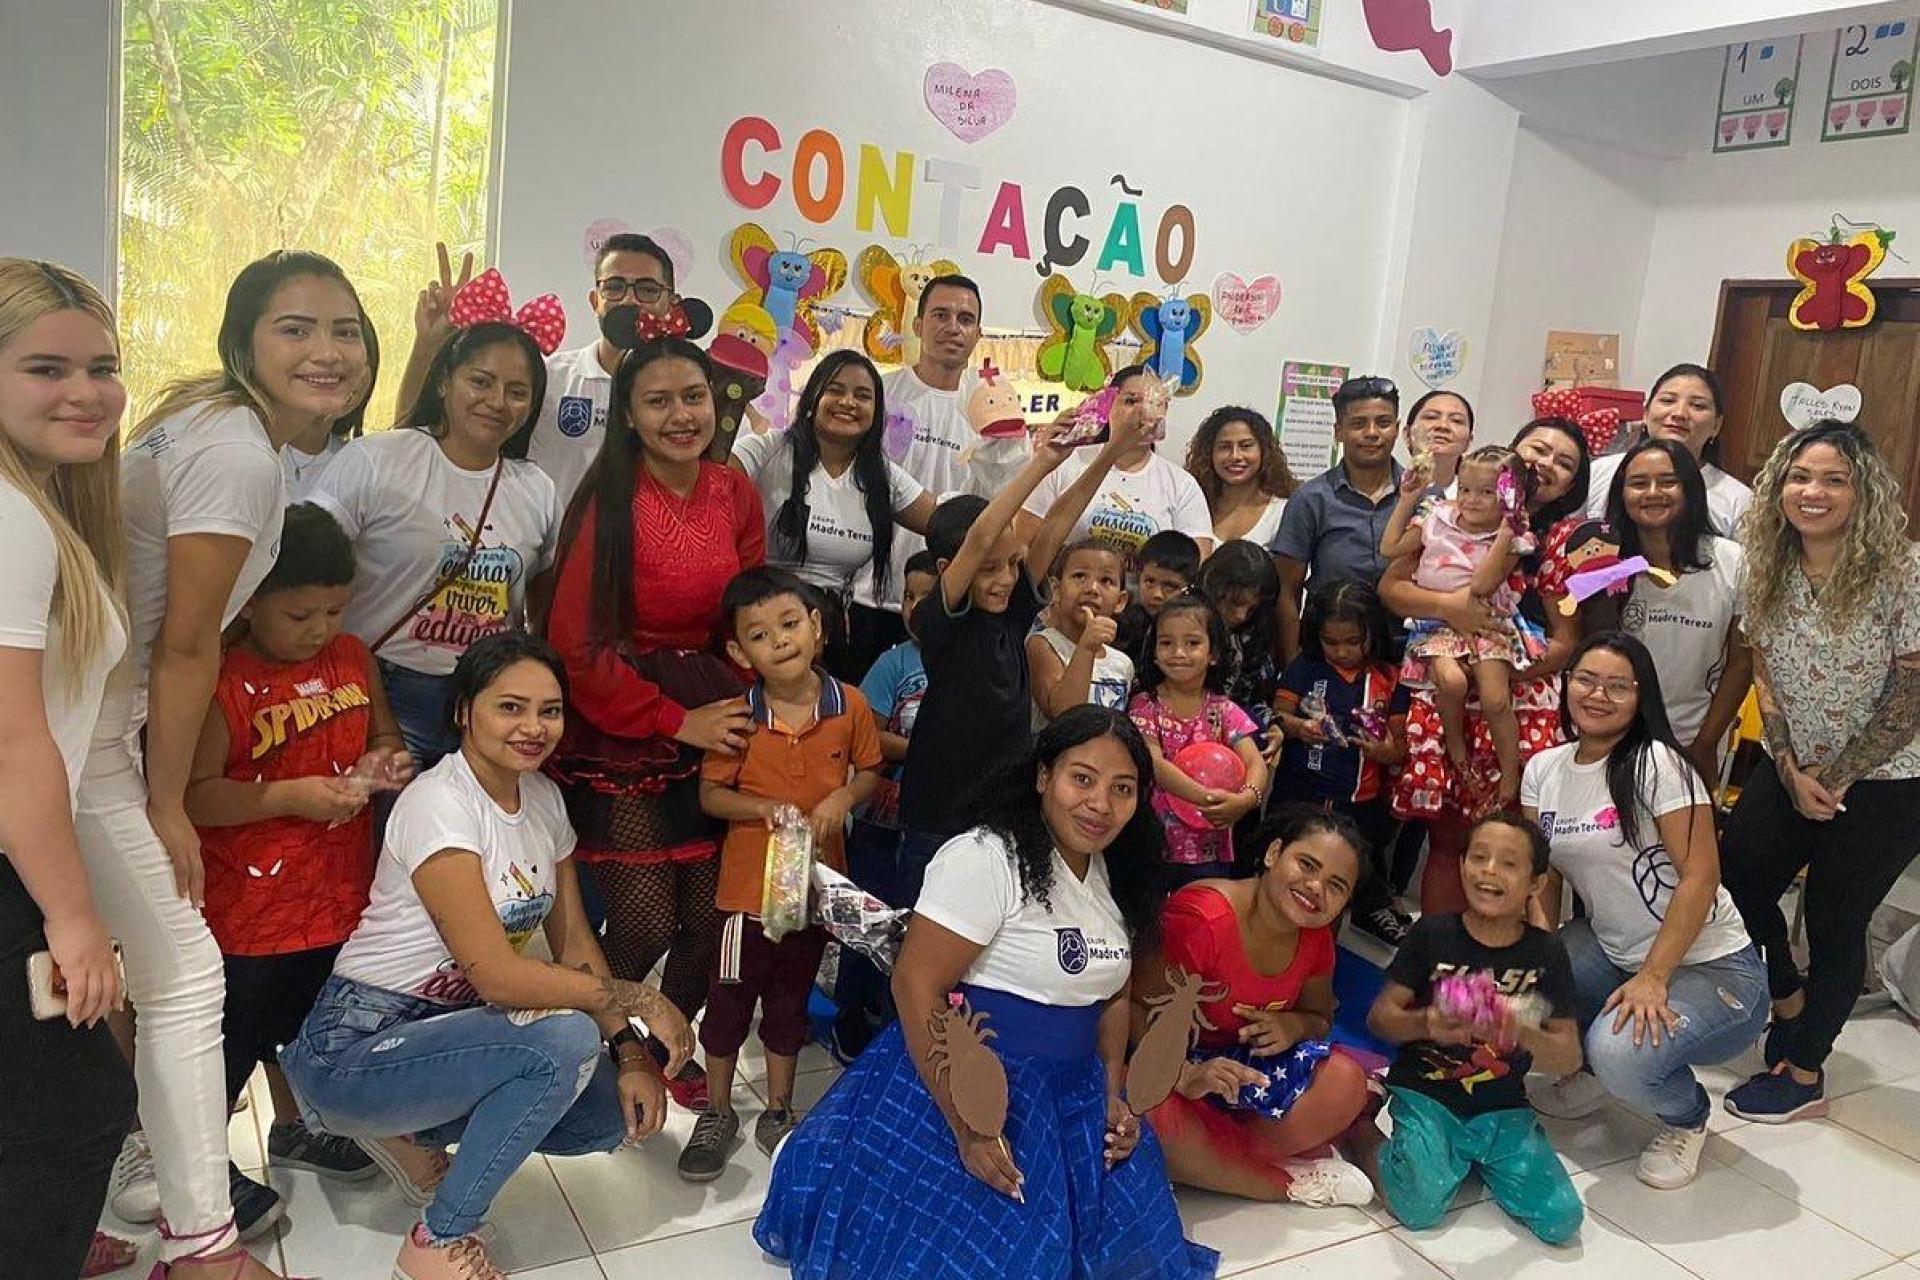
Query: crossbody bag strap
x=453, y=574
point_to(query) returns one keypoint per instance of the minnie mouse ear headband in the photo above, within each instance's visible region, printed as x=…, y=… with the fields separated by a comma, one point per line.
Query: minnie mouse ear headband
x=483, y=300
x=1599, y=426
x=627, y=326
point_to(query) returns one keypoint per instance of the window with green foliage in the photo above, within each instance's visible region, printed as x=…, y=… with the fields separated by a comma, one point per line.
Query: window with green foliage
x=361, y=129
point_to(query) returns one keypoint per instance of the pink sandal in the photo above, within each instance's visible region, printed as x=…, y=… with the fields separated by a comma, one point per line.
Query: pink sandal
x=236, y=1253
x=107, y=1253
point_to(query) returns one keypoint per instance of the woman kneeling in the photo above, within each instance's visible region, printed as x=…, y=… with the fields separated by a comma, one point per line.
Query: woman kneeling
x=434, y=1026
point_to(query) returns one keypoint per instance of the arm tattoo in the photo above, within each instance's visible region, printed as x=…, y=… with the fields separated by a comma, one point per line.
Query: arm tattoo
x=632, y=999
x=1893, y=725
x=1779, y=738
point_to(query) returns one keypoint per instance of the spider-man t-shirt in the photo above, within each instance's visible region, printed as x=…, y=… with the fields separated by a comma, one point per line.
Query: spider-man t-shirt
x=1472, y=1079
x=291, y=884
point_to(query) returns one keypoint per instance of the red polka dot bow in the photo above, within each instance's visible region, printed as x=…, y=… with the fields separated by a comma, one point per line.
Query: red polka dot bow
x=647, y=326
x=483, y=300
x=1599, y=426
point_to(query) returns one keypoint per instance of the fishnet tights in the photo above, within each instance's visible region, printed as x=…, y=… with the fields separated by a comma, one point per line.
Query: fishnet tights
x=666, y=909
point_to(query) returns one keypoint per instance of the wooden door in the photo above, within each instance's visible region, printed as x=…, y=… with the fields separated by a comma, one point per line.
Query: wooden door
x=1758, y=353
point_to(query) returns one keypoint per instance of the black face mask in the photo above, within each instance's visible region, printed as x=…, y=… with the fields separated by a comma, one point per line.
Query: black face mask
x=617, y=326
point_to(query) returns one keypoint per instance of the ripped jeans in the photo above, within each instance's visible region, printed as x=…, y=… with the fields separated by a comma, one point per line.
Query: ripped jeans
x=372, y=1063
x=1723, y=1009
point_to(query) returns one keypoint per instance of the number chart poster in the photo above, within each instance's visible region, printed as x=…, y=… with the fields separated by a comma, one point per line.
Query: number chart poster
x=1870, y=88
x=1757, y=85
x=1306, y=416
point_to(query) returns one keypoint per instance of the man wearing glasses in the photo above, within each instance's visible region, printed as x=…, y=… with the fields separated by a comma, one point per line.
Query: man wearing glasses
x=632, y=269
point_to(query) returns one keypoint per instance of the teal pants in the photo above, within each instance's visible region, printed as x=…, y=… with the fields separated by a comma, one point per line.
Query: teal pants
x=1432, y=1150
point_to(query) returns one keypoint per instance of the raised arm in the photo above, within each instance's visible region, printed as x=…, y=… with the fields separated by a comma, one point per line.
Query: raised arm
x=956, y=577
x=1402, y=535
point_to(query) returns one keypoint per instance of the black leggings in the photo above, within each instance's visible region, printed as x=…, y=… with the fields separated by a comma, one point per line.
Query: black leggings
x=268, y=997
x=69, y=1102
x=665, y=909
x=1852, y=863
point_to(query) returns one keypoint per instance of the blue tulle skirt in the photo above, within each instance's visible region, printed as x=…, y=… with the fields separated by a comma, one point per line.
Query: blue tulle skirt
x=871, y=1185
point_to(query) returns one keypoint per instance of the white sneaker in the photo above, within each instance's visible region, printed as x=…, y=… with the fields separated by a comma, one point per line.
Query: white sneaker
x=1327, y=1182
x=1672, y=1159
x=132, y=1192
x=1569, y=1097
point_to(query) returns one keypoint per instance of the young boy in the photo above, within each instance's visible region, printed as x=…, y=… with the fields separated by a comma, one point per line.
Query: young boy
x=1168, y=563
x=978, y=709
x=814, y=747
x=298, y=733
x=893, y=688
x=1073, y=659
x=1456, y=1099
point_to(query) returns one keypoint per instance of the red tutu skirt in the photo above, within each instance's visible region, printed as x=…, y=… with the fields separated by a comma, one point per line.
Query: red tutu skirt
x=1429, y=789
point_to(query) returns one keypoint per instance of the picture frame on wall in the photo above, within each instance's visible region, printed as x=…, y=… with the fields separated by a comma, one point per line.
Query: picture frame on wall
x=1759, y=80
x=1294, y=23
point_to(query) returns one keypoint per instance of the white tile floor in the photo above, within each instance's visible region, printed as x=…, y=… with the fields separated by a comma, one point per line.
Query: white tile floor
x=1836, y=1199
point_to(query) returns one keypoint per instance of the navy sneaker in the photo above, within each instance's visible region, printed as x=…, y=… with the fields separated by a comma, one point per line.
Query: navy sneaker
x=1780, y=1034
x=257, y=1208
x=1777, y=1098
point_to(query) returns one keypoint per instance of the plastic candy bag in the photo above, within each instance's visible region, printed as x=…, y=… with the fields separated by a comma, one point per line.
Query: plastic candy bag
x=783, y=897
x=857, y=919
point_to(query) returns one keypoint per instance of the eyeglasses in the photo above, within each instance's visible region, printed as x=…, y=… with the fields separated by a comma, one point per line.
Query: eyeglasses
x=614, y=288
x=1614, y=688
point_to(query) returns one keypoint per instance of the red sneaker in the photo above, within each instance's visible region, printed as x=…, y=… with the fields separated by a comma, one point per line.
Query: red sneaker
x=689, y=1088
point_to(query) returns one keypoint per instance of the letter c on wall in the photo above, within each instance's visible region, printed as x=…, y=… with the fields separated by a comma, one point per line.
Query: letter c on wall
x=759, y=192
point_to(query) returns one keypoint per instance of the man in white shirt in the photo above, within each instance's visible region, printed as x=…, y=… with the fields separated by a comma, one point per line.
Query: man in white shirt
x=932, y=395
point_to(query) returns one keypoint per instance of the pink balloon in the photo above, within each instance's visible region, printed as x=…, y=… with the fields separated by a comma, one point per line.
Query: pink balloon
x=1213, y=765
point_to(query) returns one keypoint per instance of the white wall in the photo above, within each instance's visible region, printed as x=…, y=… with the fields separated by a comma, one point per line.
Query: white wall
x=1579, y=223
x=1510, y=37
x=1732, y=217
x=1286, y=172
x=57, y=87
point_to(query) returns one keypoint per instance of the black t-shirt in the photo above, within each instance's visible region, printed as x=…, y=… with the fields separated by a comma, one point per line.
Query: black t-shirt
x=1472, y=1080
x=977, y=712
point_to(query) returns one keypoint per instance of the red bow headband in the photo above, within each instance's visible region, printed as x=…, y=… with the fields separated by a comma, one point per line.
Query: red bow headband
x=647, y=326
x=483, y=300
x=1599, y=426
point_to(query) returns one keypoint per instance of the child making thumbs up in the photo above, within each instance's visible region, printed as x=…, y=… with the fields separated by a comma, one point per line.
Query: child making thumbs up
x=1073, y=659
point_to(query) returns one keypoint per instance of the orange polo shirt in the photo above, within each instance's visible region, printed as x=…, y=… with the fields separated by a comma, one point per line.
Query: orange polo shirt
x=798, y=767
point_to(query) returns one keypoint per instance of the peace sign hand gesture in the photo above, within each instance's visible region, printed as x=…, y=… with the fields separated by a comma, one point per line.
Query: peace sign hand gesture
x=430, y=323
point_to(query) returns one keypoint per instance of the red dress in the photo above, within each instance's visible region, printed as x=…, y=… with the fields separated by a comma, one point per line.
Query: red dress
x=632, y=789
x=291, y=884
x=1426, y=787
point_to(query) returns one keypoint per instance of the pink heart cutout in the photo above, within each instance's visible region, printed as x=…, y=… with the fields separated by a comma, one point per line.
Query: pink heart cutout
x=1245, y=304
x=970, y=106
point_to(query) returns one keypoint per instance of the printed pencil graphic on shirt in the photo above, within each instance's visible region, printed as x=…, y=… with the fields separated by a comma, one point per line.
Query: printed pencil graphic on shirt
x=522, y=906
x=1114, y=521
x=475, y=604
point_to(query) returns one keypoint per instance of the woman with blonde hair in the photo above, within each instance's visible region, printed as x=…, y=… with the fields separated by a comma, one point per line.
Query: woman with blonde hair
x=203, y=494
x=1833, y=613
x=61, y=632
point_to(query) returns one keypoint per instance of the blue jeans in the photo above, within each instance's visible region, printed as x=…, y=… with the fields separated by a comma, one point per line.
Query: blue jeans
x=1722, y=1006
x=419, y=703
x=372, y=1063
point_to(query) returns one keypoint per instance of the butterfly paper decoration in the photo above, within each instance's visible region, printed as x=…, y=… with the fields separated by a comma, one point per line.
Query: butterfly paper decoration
x=1075, y=353
x=1831, y=274
x=788, y=283
x=484, y=300
x=1167, y=328
x=895, y=288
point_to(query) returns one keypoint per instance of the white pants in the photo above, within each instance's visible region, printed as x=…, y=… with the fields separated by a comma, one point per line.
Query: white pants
x=177, y=985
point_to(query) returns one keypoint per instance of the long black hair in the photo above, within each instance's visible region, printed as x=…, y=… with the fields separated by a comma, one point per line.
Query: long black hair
x=1349, y=600
x=609, y=487
x=870, y=475
x=1218, y=642
x=428, y=412
x=1575, y=498
x=1239, y=565
x=1288, y=823
x=1009, y=805
x=1687, y=534
x=1710, y=452
x=1630, y=760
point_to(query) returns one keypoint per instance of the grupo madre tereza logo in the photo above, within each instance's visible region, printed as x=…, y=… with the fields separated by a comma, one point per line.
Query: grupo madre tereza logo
x=1071, y=946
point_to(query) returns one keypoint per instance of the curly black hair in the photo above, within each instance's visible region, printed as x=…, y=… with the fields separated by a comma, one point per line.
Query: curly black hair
x=1009, y=804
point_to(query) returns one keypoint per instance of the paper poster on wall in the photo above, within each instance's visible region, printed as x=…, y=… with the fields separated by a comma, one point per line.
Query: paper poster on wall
x=1757, y=84
x=1245, y=304
x=1802, y=404
x=1581, y=360
x=1435, y=356
x=1295, y=23
x=970, y=106
x=1166, y=6
x=1870, y=86
x=1306, y=416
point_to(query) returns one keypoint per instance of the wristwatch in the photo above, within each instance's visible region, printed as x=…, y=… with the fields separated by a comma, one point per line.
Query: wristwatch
x=624, y=1036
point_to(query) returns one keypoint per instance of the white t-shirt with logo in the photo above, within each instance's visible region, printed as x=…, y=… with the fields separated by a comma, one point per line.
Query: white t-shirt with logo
x=1727, y=498
x=1627, y=891
x=573, y=418
x=839, y=534
x=27, y=622
x=199, y=471
x=303, y=470
x=1075, y=954
x=1112, y=682
x=1685, y=628
x=395, y=945
x=1131, y=506
x=410, y=513
x=928, y=434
